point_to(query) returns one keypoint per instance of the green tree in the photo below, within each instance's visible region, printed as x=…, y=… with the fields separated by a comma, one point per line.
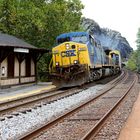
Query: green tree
x=138, y=39
x=40, y=21
x=138, y=51
x=132, y=61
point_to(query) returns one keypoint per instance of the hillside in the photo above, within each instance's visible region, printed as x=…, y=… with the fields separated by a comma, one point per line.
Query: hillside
x=107, y=37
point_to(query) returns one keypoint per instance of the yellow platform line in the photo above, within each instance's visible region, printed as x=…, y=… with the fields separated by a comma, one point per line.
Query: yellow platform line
x=25, y=94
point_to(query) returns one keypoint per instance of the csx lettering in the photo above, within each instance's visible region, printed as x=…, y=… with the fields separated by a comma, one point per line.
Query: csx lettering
x=68, y=53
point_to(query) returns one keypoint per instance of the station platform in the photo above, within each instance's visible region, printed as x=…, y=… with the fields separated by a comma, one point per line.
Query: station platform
x=24, y=91
x=131, y=129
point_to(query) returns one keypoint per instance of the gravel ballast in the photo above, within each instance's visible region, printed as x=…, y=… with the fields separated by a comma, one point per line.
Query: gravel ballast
x=112, y=128
x=11, y=128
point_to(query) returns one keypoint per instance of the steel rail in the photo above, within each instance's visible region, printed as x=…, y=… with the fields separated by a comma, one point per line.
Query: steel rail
x=22, y=102
x=38, y=130
x=138, y=75
x=94, y=130
x=19, y=102
x=118, y=78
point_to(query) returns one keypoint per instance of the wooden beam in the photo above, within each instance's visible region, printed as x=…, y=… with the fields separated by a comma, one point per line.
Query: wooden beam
x=4, y=53
x=20, y=57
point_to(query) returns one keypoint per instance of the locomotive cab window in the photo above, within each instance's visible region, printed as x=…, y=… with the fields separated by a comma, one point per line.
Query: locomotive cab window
x=117, y=59
x=80, y=39
x=92, y=41
x=91, y=45
x=61, y=40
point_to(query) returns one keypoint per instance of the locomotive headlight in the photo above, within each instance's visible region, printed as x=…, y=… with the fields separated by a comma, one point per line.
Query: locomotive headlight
x=75, y=62
x=57, y=63
x=67, y=46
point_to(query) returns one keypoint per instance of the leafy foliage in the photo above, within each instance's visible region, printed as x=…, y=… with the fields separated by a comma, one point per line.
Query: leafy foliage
x=134, y=61
x=138, y=51
x=138, y=39
x=40, y=21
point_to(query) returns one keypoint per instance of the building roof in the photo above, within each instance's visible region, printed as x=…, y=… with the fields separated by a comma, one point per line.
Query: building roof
x=11, y=41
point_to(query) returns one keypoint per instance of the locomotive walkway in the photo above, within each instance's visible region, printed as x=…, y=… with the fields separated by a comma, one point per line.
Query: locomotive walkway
x=131, y=130
x=24, y=91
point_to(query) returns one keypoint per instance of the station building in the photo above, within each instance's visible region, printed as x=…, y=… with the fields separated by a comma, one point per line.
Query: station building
x=18, y=61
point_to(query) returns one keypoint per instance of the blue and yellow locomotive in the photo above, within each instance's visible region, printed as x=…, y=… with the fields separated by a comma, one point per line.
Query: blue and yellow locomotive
x=79, y=58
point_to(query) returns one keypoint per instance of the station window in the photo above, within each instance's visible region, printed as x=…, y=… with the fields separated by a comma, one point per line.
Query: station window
x=11, y=62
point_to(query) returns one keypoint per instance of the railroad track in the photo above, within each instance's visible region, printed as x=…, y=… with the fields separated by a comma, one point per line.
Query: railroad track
x=68, y=116
x=95, y=129
x=21, y=105
x=138, y=75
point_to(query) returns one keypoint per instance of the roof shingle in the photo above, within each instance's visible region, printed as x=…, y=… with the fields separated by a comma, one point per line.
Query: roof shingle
x=11, y=41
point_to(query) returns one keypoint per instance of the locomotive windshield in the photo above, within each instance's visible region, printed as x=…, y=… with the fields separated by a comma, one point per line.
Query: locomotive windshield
x=80, y=39
x=61, y=40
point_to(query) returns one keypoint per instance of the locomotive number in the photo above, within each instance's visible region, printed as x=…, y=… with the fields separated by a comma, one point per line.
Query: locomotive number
x=68, y=53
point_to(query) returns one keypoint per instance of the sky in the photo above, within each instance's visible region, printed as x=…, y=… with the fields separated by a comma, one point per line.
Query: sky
x=120, y=15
